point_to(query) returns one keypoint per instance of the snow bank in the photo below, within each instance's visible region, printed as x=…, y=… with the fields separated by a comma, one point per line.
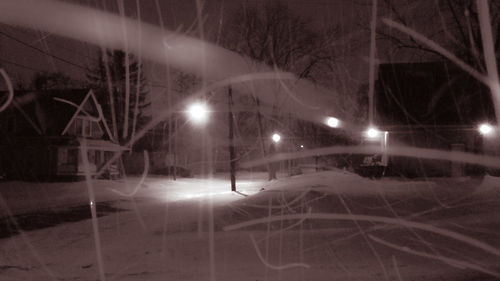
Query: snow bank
x=343, y=182
x=489, y=184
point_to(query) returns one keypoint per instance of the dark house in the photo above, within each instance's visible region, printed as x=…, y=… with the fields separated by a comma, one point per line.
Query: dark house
x=431, y=105
x=42, y=133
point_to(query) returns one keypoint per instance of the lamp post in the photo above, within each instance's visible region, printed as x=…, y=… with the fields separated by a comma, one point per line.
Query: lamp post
x=486, y=129
x=372, y=133
x=198, y=113
x=276, y=138
x=333, y=122
x=490, y=143
x=232, y=154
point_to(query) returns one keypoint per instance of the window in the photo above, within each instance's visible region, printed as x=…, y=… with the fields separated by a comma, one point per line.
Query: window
x=66, y=155
x=78, y=126
x=62, y=155
x=72, y=156
x=86, y=128
x=71, y=130
x=91, y=156
x=96, y=130
x=98, y=157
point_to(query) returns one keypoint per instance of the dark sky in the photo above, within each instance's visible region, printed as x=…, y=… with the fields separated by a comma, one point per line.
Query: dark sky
x=25, y=51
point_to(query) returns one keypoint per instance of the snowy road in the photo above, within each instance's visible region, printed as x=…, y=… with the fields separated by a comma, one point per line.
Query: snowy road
x=41, y=205
x=27, y=197
x=175, y=230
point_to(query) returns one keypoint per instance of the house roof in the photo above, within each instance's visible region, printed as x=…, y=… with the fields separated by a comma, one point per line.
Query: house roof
x=45, y=112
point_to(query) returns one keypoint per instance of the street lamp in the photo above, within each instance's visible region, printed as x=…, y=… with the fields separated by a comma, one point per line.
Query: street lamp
x=332, y=122
x=272, y=150
x=198, y=112
x=276, y=138
x=485, y=129
x=372, y=133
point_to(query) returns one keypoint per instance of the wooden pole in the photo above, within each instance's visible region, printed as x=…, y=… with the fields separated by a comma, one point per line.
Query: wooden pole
x=232, y=154
x=371, y=85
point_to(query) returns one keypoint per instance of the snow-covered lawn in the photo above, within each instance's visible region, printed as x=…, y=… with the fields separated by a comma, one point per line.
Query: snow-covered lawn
x=322, y=226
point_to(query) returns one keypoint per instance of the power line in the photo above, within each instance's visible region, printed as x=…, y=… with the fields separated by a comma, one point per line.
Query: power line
x=21, y=65
x=43, y=38
x=42, y=51
x=73, y=51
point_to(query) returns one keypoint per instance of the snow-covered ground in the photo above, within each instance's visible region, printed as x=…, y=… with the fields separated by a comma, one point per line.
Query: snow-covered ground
x=330, y=225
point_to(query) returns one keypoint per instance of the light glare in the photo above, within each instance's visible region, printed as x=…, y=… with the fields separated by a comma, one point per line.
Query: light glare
x=332, y=122
x=372, y=133
x=485, y=129
x=276, y=137
x=198, y=112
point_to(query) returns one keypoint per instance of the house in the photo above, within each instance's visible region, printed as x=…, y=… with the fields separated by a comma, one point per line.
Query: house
x=42, y=134
x=431, y=105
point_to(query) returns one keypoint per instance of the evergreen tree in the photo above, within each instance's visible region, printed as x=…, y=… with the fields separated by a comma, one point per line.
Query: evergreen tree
x=108, y=80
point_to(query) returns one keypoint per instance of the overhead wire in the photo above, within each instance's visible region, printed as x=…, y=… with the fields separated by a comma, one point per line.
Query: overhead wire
x=42, y=51
x=21, y=65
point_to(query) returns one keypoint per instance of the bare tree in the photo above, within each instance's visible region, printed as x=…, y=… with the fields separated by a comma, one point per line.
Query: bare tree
x=452, y=31
x=274, y=35
x=452, y=23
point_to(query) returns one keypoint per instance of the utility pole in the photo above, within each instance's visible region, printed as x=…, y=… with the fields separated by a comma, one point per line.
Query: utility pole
x=232, y=156
x=371, y=74
x=175, y=148
x=483, y=11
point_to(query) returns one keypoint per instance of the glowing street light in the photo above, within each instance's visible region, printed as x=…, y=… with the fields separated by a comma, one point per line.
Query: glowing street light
x=485, y=129
x=272, y=150
x=333, y=122
x=198, y=112
x=372, y=133
x=276, y=137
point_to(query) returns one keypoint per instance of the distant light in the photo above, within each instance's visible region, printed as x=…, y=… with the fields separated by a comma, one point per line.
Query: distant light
x=301, y=146
x=332, y=122
x=198, y=112
x=485, y=129
x=372, y=133
x=276, y=137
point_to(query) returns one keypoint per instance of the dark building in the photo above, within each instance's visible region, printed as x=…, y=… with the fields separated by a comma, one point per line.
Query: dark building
x=42, y=134
x=431, y=105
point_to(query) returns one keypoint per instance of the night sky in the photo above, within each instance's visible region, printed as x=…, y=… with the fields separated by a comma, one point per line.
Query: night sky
x=24, y=51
